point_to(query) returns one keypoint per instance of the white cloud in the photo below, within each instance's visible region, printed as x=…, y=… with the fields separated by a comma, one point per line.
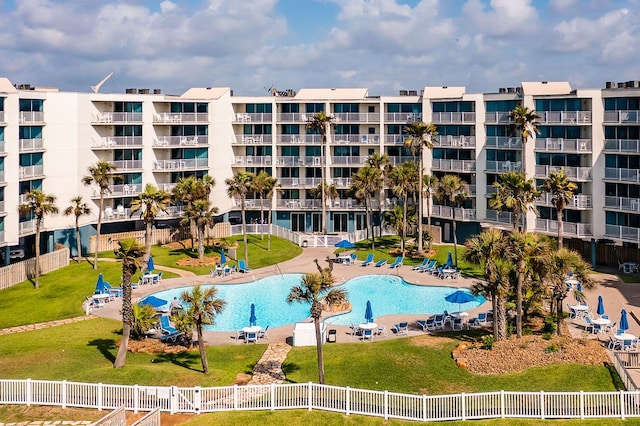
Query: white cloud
x=504, y=17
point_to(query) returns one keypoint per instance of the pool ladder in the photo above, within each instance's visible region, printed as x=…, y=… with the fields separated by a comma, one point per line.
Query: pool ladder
x=278, y=270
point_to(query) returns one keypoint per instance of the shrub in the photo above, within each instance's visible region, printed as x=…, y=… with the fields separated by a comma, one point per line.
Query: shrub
x=547, y=336
x=552, y=348
x=487, y=342
x=550, y=324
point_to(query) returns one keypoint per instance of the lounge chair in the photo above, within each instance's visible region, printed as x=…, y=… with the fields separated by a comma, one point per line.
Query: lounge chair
x=401, y=328
x=262, y=334
x=396, y=263
x=431, y=266
x=168, y=331
x=380, y=263
x=242, y=266
x=353, y=258
x=456, y=324
x=438, y=321
x=428, y=324
x=382, y=330
x=112, y=291
x=368, y=260
x=424, y=263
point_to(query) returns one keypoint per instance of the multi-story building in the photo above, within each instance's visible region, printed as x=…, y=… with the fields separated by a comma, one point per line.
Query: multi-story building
x=49, y=138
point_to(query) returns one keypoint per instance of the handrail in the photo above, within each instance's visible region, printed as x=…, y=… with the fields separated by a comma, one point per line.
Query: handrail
x=278, y=270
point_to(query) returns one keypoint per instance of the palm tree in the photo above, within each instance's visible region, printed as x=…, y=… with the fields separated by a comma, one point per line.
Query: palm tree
x=325, y=192
x=561, y=189
x=190, y=189
x=318, y=291
x=430, y=184
x=238, y=187
x=129, y=251
x=514, y=193
x=203, y=307
x=100, y=174
x=364, y=183
x=143, y=317
x=383, y=163
x=260, y=184
x=201, y=214
x=421, y=135
x=525, y=122
x=149, y=204
x=272, y=186
x=453, y=191
x=77, y=208
x=38, y=204
x=403, y=181
x=320, y=123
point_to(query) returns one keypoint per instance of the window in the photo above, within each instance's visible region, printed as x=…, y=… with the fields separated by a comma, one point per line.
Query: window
x=347, y=129
x=257, y=129
x=501, y=106
x=290, y=151
x=406, y=108
x=258, y=108
x=456, y=130
x=30, y=132
x=190, y=107
x=346, y=108
x=290, y=108
x=314, y=108
x=558, y=105
x=30, y=105
x=346, y=151
x=290, y=129
x=127, y=131
x=127, y=154
x=458, y=106
x=31, y=159
x=189, y=130
x=127, y=107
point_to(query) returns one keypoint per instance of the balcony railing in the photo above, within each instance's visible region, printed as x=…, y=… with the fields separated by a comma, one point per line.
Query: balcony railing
x=255, y=204
x=564, y=117
x=297, y=181
x=180, y=117
x=563, y=145
x=497, y=117
x=298, y=204
x=31, y=117
x=402, y=117
x=445, y=141
x=127, y=190
x=298, y=161
x=503, y=142
x=395, y=139
x=181, y=164
x=356, y=139
x=454, y=117
x=503, y=166
x=111, y=142
x=2, y=179
x=127, y=164
x=27, y=227
x=117, y=117
x=500, y=217
x=622, y=145
x=578, y=201
x=356, y=117
x=399, y=159
x=454, y=165
x=289, y=117
x=265, y=160
x=183, y=141
x=254, y=139
x=2, y=148
x=622, y=203
x=31, y=145
x=341, y=182
x=490, y=189
x=2, y=117
x=252, y=117
x=300, y=139
x=625, y=233
x=621, y=175
x=446, y=212
x=568, y=228
x=28, y=172
x=573, y=173
x=352, y=161
x=622, y=116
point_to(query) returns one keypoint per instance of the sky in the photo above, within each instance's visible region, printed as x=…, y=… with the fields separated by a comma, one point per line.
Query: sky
x=254, y=45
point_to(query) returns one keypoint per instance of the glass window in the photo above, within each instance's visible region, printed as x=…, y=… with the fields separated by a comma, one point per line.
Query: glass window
x=258, y=108
x=127, y=107
x=290, y=129
x=290, y=108
x=30, y=105
x=312, y=151
x=30, y=132
x=314, y=108
x=127, y=131
x=346, y=108
x=290, y=151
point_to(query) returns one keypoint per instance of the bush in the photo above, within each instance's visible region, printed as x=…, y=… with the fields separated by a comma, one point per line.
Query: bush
x=547, y=336
x=549, y=324
x=552, y=348
x=487, y=342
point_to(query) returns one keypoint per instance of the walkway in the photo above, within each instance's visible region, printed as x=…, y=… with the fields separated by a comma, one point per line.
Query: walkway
x=269, y=368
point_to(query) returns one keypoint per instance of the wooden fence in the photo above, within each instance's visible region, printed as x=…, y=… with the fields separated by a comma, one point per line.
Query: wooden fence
x=607, y=254
x=21, y=271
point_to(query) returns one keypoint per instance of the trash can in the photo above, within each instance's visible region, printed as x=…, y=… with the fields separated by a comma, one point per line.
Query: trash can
x=331, y=337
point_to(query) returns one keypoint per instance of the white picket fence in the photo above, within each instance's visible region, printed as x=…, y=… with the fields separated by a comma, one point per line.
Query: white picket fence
x=310, y=396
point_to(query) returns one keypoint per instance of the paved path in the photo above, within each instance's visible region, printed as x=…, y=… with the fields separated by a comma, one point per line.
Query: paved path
x=269, y=368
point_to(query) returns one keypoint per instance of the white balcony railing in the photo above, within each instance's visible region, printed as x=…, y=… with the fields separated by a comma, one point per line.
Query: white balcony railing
x=299, y=139
x=348, y=161
x=622, y=116
x=356, y=139
x=111, y=142
x=454, y=165
x=31, y=117
x=27, y=227
x=563, y=145
x=181, y=164
x=242, y=160
x=499, y=217
x=568, y=228
x=573, y=173
x=127, y=190
x=127, y=164
x=2, y=117
x=395, y=139
x=622, y=145
x=578, y=201
x=564, y=117
x=180, y=117
x=254, y=139
x=356, y=117
x=625, y=233
x=297, y=182
x=503, y=166
x=27, y=172
x=453, y=117
x=30, y=145
x=622, y=203
x=621, y=175
x=445, y=141
x=252, y=117
x=117, y=117
x=497, y=117
x=503, y=142
x=402, y=117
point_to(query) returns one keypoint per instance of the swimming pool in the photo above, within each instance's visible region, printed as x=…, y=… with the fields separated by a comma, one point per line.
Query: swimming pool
x=388, y=295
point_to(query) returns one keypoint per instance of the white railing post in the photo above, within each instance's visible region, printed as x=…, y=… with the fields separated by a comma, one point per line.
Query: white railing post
x=502, y=405
x=582, y=404
x=309, y=394
x=197, y=399
x=63, y=390
x=386, y=405
x=542, y=405
x=273, y=396
x=622, y=412
x=347, y=401
x=29, y=392
x=174, y=400
x=463, y=407
x=424, y=408
x=136, y=398
x=235, y=397
x=100, y=397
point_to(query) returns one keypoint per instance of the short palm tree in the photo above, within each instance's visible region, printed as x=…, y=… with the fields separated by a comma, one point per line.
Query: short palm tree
x=318, y=291
x=128, y=251
x=514, y=193
x=421, y=135
x=201, y=214
x=403, y=180
x=149, y=204
x=38, y=204
x=238, y=187
x=101, y=174
x=78, y=208
x=321, y=123
x=190, y=189
x=271, y=188
x=561, y=189
x=525, y=122
x=453, y=191
x=429, y=184
x=203, y=306
x=142, y=319
x=260, y=185
x=364, y=184
x=383, y=163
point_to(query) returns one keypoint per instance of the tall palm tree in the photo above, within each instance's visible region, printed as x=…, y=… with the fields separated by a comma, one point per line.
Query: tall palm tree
x=421, y=135
x=321, y=123
x=561, y=189
x=101, y=174
x=317, y=290
x=364, y=184
x=514, y=193
x=190, y=189
x=238, y=187
x=204, y=305
x=201, y=214
x=383, y=163
x=77, y=208
x=403, y=181
x=129, y=251
x=260, y=184
x=453, y=191
x=525, y=122
x=272, y=186
x=430, y=184
x=149, y=204
x=38, y=204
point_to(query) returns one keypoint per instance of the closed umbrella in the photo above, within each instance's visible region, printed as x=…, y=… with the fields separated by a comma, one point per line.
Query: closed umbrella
x=252, y=317
x=368, y=312
x=345, y=244
x=600, y=310
x=150, y=265
x=449, y=260
x=154, y=301
x=100, y=285
x=624, y=323
x=223, y=258
x=459, y=297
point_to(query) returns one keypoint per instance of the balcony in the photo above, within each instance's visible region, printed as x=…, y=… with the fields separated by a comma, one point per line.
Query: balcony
x=490, y=189
x=625, y=233
x=500, y=217
x=167, y=187
x=341, y=182
x=446, y=141
x=396, y=160
x=549, y=226
x=180, y=141
x=622, y=116
x=298, y=161
x=27, y=227
x=503, y=166
x=265, y=160
x=503, y=142
x=298, y=204
x=255, y=204
x=3, y=181
x=127, y=165
x=446, y=212
x=180, y=117
x=254, y=139
x=621, y=175
x=249, y=117
x=117, y=117
x=299, y=139
x=112, y=142
x=3, y=150
x=453, y=117
x=291, y=117
x=563, y=145
x=126, y=190
x=631, y=146
x=402, y=117
x=30, y=145
x=28, y=172
x=497, y=117
x=573, y=173
x=178, y=164
x=461, y=166
x=578, y=201
x=622, y=203
x=299, y=182
x=31, y=117
x=395, y=139
x=356, y=139
x=2, y=122
x=112, y=214
x=348, y=160
x=564, y=117
x=356, y=117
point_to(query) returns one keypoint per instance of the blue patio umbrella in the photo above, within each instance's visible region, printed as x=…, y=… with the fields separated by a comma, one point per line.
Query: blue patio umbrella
x=449, y=260
x=153, y=301
x=252, y=317
x=100, y=284
x=368, y=312
x=600, y=310
x=624, y=323
x=150, y=265
x=223, y=258
x=459, y=297
x=345, y=244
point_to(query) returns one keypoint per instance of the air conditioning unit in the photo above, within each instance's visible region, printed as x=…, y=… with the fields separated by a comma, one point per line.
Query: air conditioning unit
x=316, y=161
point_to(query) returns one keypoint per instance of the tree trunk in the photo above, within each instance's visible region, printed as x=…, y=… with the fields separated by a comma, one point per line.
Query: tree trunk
x=124, y=345
x=201, y=229
x=322, y=184
x=244, y=232
x=380, y=218
x=203, y=352
x=404, y=222
x=420, y=207
x=147, y=242
x=455, y=238
x=560, y=316
x=316, y=323
x=500, y=315
x=560, y=227
x=261, y=220
x=516, y=221
x=269, y=236
x=429, y=221
x=78, y=242
x=38, y=224
x=496, y=324
x=127, y=313
x=520, y=284
x=98, y=226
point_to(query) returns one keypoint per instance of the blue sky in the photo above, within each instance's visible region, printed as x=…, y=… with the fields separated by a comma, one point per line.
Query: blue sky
x=382, y=45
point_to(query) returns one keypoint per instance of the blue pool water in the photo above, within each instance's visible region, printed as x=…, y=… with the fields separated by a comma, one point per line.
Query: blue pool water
x=388, y=295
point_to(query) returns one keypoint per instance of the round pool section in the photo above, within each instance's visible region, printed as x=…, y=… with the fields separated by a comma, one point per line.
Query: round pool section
x=388, y=295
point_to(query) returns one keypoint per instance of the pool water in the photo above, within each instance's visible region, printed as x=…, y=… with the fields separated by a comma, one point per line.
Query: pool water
x=388, y=295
